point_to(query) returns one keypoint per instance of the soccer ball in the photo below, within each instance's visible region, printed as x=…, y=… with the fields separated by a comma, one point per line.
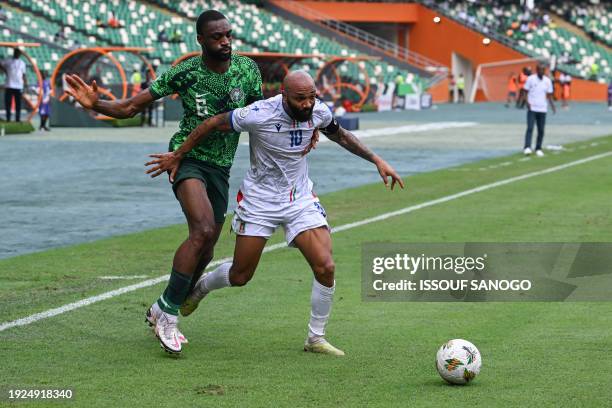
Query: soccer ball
x=458, y=361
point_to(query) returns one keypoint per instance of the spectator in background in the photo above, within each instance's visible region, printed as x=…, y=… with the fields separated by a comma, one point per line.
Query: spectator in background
x=555, y=82
x=16, y=79
x=610, y=96
x=512, y=89
x=45, y=109
x=3, y=16
x=592, y=29
x=61, y=35
x=565, y=80
x=347, y=105
x=594, y=73
x=112, y=21
x=162, y=36
x=564, y=58
x=522, y=78
x=176, y=36
x=136, y=81
x=399, y=81
x=461, y=89
x=147, y=114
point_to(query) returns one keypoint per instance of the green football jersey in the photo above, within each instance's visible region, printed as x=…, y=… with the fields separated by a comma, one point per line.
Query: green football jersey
x=205, y=93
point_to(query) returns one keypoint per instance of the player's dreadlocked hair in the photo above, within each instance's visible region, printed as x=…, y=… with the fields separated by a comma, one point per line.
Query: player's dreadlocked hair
x=205, y=17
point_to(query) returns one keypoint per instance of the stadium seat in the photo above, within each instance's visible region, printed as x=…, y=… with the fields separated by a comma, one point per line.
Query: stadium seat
x=256, y=30
x=541, y=38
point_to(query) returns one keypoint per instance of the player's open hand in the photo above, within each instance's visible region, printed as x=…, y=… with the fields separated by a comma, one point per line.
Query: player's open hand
x=385, y=170
x=313, y=143
x=86, y=95
x=163, y=162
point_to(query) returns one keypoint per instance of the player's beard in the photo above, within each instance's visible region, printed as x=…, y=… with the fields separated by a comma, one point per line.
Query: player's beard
x=299, y=114
x=223, y=54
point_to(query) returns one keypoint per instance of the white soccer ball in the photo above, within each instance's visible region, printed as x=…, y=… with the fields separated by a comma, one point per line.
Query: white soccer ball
x=458, y=361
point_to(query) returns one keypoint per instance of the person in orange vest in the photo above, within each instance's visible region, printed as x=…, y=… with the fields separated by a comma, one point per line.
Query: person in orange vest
x=512, y=89
x=522, y=78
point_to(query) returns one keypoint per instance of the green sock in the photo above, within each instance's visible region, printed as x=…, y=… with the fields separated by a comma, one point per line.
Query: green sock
x=174, y=295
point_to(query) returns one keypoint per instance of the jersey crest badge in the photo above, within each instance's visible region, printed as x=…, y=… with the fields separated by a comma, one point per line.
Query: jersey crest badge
x=236, y=95
x=278, y=127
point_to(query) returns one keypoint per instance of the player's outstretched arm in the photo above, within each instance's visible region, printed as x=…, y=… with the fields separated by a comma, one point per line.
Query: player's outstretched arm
x=88, y=97
x=351, y=143
x=170, y=161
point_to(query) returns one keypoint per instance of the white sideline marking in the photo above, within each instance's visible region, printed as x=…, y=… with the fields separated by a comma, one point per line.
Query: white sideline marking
x=425, y=127
x=112, y=277
x=150, y=282
x=388, y=131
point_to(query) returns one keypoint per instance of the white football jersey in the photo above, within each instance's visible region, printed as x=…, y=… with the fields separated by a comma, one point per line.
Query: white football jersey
x=279, y=171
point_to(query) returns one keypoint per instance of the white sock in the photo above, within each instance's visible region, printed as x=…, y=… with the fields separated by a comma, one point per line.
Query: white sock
x=320, y=302
x=156, y=309
x=217, y=279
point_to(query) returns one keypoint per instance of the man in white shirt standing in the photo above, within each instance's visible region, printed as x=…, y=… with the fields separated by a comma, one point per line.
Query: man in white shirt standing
x=278, y=192
x=539, y=91
x=15, y=70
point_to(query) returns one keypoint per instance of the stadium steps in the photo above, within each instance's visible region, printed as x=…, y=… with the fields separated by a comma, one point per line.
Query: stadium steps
x=324, y=30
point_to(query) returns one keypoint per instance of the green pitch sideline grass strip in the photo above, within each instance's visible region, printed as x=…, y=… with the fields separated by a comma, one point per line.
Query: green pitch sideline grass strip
x=150, y=282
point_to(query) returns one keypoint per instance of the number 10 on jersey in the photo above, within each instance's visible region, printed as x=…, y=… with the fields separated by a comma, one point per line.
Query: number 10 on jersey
x=296, y=137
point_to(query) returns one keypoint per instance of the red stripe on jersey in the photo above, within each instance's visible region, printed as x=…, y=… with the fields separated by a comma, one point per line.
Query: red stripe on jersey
x=239, y=196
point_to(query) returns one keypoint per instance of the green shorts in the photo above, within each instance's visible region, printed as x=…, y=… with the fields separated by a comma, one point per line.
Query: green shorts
x=215, y=178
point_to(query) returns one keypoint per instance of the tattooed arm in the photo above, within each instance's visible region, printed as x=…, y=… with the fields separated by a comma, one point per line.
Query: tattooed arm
x=350, y=142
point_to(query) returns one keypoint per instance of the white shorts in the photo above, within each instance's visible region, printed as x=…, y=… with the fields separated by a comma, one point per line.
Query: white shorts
x=260, y=219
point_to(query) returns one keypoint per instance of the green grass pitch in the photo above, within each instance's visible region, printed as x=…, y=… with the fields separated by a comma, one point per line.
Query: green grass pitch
x=246, y=342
